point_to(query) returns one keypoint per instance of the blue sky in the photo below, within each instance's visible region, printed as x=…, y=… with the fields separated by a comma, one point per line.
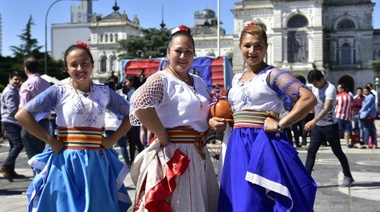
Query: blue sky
x=15, y=14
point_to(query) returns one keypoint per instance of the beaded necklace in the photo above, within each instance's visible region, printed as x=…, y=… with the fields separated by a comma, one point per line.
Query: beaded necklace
x=191, y=85
x=82, y=104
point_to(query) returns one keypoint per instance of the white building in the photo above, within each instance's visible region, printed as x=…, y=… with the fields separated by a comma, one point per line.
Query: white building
x=65, y=34
x=105, y=33
x=334, y=36
x=205, y=32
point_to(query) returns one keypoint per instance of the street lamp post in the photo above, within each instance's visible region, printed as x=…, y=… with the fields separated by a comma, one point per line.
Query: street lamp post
x=218, y=28
x=47, y=13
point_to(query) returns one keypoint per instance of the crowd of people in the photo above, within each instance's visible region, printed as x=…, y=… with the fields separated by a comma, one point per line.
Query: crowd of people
x=165, y=117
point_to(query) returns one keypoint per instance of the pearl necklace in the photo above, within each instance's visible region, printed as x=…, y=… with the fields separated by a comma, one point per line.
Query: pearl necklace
x=191, y=85
x=82, y=104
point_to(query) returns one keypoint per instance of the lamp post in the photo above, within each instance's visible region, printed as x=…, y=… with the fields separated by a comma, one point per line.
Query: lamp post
x=218, y=28
x=47, y=13
x=46, y=16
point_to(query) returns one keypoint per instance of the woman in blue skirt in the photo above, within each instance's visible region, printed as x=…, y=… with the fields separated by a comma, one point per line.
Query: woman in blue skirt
x=79, y=170
x=262, y=170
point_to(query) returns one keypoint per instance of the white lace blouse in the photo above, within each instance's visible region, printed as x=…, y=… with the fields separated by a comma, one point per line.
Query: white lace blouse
x=176, y=103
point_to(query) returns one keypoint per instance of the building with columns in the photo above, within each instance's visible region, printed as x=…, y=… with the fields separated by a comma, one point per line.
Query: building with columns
x=334, y=36
x=104, y=37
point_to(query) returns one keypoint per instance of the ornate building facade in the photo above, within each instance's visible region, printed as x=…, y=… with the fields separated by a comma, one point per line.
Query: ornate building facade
x=105, y=34
x=334, y=36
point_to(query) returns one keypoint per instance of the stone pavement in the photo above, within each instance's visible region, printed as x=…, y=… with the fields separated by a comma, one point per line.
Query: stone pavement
x=364, y=195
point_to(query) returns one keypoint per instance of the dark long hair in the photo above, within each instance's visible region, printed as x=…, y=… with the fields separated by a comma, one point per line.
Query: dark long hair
x=135, y=81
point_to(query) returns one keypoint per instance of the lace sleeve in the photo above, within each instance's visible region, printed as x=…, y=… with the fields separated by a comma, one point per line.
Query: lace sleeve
x=286, y=86
x=150, y=94
x=43, y=103
x=118, y=105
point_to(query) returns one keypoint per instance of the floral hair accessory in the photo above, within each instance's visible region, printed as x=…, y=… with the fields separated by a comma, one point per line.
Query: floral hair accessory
x=249, y=24
x=181, y=28
x=83, y=44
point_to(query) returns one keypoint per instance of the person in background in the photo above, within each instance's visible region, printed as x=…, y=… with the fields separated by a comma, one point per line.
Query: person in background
x=142, y=76
x=112, y=123
x=112, y=77
x=324, y=126
x=132, y=83
x=343, y=112
x=356, y=106
x=33, y=86
x=10, y=100
x=297, y=128
x=367, y=117
x=79, y=171
x=262, y=170
x=175, y=172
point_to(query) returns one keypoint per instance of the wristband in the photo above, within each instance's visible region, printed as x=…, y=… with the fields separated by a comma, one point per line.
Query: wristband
x=279, y=130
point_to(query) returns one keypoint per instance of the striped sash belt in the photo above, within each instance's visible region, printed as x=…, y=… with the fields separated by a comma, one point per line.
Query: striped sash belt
x=252, y=119
x=80, y=137
x=187, y=135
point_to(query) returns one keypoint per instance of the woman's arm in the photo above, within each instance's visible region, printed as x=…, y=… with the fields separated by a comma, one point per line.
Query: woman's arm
x=301, y=108
x=31, y=125
x=149, y=118
x=124, y=127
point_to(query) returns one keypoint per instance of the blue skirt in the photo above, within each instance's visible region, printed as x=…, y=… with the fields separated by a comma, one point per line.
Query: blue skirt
x=264, y=173
x=78, y=180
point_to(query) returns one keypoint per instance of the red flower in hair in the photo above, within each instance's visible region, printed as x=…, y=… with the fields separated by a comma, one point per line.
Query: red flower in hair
x=183, y=28
x=81, y=43
x=250, y=24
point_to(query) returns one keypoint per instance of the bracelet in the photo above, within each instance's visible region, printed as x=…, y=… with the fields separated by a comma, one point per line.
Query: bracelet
x=279, y=130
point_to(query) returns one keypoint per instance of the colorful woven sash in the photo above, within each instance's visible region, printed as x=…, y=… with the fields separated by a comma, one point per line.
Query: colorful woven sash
x=81, y=137
x=183, y=134
x=252, y=119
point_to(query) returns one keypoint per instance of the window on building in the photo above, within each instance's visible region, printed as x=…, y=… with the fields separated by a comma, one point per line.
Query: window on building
x=111, y=37
x=103, y=64
x=298, y=44
x=346, y=25
x=101, y=39
x=297, y=21
x=113, y=63
x=106, y=38
x=346, y=54
x=116, y=37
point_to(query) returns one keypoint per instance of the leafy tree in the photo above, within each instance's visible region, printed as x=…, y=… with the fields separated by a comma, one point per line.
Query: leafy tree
x=29, y=46
x=152, y=43
x=375, y=65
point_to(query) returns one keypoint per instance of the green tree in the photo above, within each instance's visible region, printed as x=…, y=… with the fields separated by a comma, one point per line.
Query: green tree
x=375, y=65
x=152, y=43
x=29, y=45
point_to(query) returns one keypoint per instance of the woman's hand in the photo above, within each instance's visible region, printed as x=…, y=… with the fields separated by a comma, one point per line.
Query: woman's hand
x=55, y=145
x=217, y=124
x=108, y=142
x=270, y=125
x=163, y=138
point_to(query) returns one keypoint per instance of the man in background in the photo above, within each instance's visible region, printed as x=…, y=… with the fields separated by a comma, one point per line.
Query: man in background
x=343, y=112
x=10, y=100
x=33, y=86
x=324, y=126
